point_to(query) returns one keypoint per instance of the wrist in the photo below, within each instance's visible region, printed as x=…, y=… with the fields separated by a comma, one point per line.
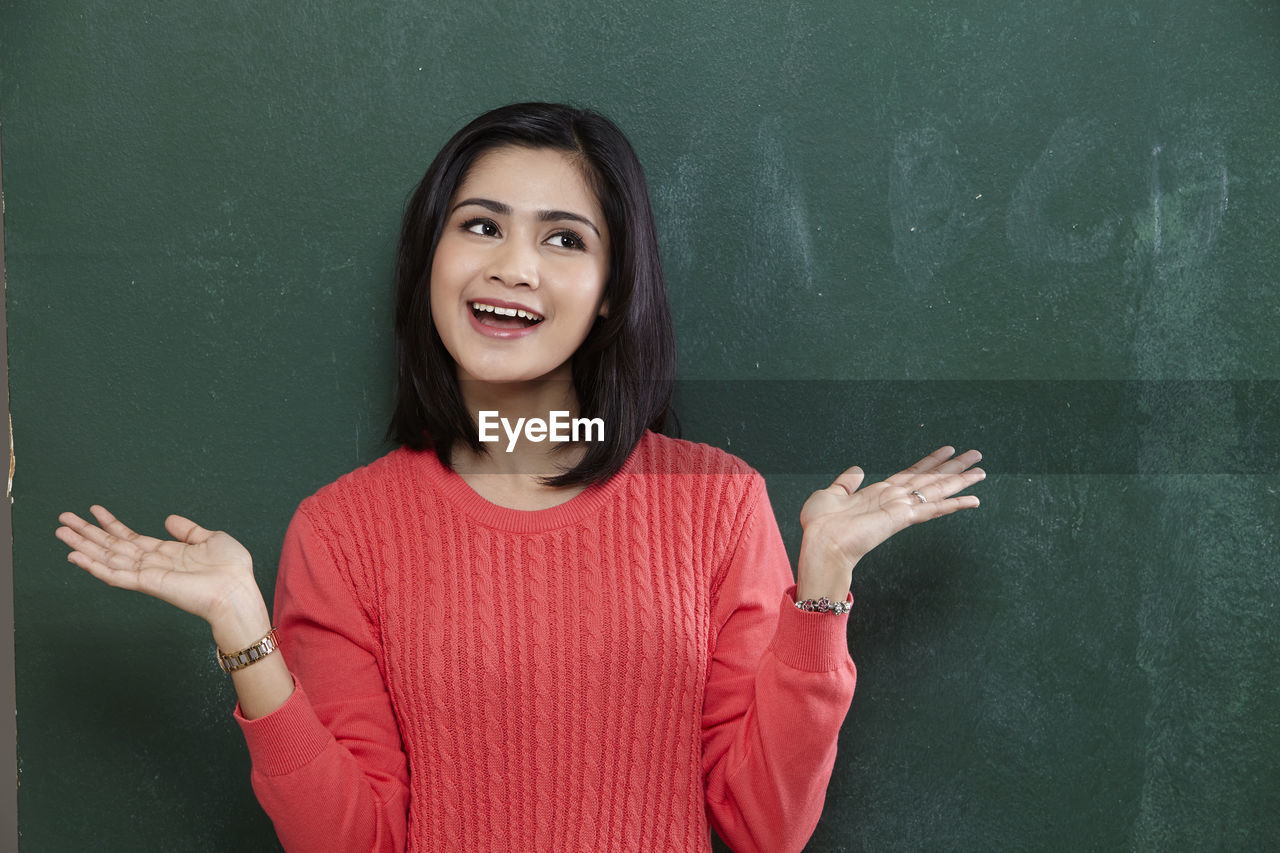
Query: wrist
x=831, y=592
x=241, y=618
x=824, y=573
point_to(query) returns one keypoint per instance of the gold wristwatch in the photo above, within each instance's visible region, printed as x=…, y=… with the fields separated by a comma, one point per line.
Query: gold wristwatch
x=246, y=657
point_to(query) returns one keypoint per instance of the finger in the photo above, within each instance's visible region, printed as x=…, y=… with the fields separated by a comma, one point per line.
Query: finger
x=959, y=482
x=121, y=578
x=938, y=486
x=114, y=535
x=72, y=539
x=113, y=526
x=71, y=523
x=849, y=481
x=924, y=466
x=950, y=505
x=918, y=512
x=93, y=540
x=958, y=463
x=120, y=556
x=74, y=522
x=186, y=530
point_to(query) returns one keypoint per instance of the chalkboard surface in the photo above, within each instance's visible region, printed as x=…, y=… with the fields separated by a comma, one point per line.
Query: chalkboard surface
x=1048, y=230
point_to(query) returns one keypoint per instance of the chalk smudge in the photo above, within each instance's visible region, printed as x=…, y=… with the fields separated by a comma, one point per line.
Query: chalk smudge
x=933, y=212
x=1030, y=226
x=780, y=200
x=1176, y=316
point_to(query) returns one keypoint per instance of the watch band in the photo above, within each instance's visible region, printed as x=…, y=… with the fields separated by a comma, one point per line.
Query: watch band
x=230, y=662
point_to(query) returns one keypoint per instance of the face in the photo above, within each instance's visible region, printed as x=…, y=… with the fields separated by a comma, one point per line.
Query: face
x=519, y=272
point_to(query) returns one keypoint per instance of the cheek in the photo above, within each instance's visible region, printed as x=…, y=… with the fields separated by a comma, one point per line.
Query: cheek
x=443, y=284
x=587, y=300
x=445, y=322
x=591, y=287
x=439, y=272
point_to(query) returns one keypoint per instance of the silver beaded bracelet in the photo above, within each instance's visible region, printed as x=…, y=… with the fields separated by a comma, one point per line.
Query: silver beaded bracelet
x=824, y=605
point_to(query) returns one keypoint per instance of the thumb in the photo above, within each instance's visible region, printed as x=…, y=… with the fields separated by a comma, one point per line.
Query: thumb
x=186, y=530
x=848, y=482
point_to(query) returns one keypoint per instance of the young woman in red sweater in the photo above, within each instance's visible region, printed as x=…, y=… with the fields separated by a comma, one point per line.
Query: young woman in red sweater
x=506, y=636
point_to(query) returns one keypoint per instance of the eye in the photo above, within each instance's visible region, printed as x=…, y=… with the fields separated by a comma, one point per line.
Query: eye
x=483, y=227
x=567, y=240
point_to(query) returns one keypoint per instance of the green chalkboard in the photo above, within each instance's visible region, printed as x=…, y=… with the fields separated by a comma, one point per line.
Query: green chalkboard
x=1047, y=230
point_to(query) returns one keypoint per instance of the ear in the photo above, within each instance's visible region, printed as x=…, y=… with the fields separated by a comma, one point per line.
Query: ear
x=604, y=308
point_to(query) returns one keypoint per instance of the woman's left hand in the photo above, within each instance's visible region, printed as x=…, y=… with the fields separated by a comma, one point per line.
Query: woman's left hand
x=843, y=522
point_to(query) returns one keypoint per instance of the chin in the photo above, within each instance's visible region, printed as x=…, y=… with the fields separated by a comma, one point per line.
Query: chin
x=507, y=375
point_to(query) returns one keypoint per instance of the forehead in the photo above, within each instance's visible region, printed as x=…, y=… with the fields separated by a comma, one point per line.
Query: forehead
x=531, y=179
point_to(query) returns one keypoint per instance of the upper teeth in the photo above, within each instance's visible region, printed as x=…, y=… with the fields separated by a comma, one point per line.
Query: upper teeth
x=506, y=312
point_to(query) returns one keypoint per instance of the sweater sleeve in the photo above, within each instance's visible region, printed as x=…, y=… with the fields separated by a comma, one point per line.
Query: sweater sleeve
x=780, y=684
x=328, y=766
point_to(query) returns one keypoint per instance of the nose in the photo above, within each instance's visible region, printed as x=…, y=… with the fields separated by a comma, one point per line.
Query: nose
x=514, y=262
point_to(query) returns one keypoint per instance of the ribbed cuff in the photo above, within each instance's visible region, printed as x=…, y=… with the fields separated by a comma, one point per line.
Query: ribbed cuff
x=813, y=642
x=288, y=738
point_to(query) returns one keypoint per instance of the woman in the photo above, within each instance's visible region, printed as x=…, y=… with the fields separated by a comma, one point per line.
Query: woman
x=539, y=642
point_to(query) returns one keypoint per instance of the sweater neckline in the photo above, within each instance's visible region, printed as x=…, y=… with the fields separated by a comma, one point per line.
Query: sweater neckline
x=478, y=508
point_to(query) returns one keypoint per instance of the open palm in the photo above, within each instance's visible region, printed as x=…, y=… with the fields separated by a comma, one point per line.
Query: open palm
x=197, y=570
x=844, y=521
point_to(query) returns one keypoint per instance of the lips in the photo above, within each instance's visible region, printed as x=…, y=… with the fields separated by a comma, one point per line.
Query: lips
x=504, y=315
x=505, y=320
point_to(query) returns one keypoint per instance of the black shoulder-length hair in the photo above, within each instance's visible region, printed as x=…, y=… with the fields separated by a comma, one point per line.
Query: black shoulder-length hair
x=622, y=372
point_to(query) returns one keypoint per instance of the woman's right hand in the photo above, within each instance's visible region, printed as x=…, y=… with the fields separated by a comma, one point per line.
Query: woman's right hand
x=207, y=573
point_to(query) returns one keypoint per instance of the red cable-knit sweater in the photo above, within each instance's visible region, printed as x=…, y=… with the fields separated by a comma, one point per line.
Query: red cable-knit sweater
x=603, y=675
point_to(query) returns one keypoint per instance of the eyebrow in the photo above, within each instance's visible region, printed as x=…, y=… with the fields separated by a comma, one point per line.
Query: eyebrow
x=543, y=215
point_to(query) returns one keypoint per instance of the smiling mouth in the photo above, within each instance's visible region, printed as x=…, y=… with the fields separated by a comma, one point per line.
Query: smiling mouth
x=504, y=318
